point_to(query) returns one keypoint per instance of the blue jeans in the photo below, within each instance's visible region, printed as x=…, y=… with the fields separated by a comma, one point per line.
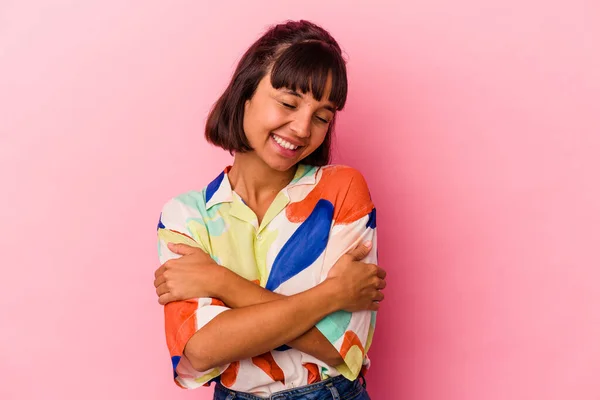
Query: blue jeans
x=338, y=388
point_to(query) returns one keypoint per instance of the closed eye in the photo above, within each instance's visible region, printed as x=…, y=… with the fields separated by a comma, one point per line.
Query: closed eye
x=323, y=120
x=290, y=106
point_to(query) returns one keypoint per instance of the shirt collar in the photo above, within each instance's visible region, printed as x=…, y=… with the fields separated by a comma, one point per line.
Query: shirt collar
x=219, y=190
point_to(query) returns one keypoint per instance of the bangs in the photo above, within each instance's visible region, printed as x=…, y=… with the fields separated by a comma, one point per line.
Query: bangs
x=305, y=66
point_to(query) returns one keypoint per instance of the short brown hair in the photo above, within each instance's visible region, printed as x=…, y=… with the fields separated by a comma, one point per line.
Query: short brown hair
x=300, y=55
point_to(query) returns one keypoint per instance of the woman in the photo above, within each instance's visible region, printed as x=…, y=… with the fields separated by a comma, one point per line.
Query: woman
x=261, y=276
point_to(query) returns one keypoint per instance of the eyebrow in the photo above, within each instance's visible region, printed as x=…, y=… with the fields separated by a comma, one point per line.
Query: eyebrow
x=299, y=95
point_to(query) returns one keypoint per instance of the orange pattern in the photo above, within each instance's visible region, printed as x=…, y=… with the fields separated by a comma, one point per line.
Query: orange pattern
x=229, y=376
x=181, y=314
x=335, y=182
x=350, y=339
x=313, y=373
x=267, y=363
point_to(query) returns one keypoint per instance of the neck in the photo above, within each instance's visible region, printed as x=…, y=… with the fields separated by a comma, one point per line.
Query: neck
x=255, y=181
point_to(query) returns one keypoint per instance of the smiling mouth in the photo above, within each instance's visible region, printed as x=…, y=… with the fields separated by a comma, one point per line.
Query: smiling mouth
x=284, y=143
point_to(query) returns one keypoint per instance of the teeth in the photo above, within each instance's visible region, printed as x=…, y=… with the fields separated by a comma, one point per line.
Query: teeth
x=284, y=143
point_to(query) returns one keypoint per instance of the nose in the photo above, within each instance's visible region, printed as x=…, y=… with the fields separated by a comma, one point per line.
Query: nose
x=301, y=125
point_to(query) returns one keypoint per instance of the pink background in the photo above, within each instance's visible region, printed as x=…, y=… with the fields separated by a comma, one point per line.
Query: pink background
x=477, y=125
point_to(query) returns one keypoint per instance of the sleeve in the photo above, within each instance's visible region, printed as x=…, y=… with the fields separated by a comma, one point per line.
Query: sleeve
x=354, y=222
x=179, y=223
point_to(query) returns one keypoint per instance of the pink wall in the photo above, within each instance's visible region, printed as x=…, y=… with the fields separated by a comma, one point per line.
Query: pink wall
x=476, y=125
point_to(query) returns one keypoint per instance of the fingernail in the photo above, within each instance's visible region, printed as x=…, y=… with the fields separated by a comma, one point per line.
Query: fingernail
x=368, y=243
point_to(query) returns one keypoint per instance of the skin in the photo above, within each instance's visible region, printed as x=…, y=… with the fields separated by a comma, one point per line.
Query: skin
x=258, y=176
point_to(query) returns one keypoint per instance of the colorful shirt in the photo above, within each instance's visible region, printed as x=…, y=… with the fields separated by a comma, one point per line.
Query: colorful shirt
x=322, y=214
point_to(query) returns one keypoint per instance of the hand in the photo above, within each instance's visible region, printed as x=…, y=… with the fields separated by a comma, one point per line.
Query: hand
x=360, y=284
x=191, y=276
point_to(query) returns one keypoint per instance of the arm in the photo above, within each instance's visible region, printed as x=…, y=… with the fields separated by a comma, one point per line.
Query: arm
x=278, y=322
x=239, y=292
x=354, y=222
x=351, y=333
x=184, y=317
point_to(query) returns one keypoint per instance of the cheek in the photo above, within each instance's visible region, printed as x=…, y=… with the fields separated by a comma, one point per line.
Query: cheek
x=318, y=137
x=259, y=120
x=272, y=118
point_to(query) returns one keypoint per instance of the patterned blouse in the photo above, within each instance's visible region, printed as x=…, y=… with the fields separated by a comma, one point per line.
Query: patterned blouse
x=322, y=214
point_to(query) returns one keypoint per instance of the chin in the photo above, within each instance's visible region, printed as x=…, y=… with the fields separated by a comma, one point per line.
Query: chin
x=281, y=166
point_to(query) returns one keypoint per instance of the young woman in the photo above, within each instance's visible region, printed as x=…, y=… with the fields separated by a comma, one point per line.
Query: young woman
x=268, y=274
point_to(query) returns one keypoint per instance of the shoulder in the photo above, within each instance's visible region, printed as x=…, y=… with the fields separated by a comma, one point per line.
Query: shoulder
x=190, y=201
x=178, y=209
x=343, y=177
x=193, y=202
x=347, y=188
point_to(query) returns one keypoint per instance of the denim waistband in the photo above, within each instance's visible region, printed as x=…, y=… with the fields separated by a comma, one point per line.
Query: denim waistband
x=338, y=387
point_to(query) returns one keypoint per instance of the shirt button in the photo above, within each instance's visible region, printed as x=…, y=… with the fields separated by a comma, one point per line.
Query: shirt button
x=259, y=237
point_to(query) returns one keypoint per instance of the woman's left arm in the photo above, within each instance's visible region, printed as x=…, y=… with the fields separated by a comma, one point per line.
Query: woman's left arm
x=351, y=334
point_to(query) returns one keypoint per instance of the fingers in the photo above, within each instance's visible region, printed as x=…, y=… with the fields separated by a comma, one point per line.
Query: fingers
x=381, y=273
x=181, y=249
x=164, y=294
x=361, y=251
x=159, y=281
x=377, y=283
x=159, y=271
x=375, y=304
x=165, y=299
x=162, y=289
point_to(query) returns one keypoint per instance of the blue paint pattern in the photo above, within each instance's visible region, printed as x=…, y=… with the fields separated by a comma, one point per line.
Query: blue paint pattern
x=372, y=222
x=175, y=360
x=212, y=187
x=304, y=247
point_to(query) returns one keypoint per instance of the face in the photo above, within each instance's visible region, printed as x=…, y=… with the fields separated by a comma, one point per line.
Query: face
x=283, y=126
